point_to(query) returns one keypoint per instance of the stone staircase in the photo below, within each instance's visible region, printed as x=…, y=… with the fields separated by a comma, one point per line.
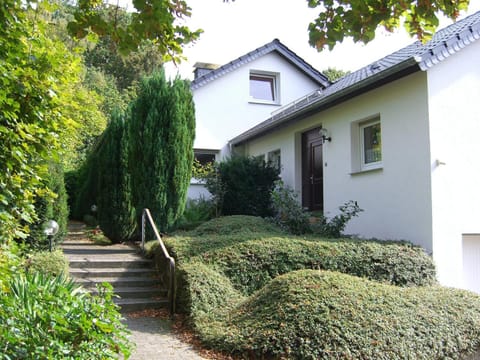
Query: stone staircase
x=134, y=278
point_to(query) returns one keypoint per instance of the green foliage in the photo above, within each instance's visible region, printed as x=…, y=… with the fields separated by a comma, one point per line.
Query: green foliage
x=238, y=180
x=334, y=74
x=35, y=70
x=115, y=211
x=197, y=211
x=252, y=264
x=334, y=227
x=161, y=133
x=288, y=212
x=323, y=315
x=96, y=235
x=48, y=263
x=205, y=294
x=11, y=263
x=359, y=19
x=43, y=317
x=155, y=21
x=48, y=208
x=236, y=224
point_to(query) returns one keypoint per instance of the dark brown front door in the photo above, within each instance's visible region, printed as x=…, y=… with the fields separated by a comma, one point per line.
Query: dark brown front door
x=312, y=170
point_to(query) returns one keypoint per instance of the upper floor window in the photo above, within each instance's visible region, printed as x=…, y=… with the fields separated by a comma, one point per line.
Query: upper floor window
x=264, y=87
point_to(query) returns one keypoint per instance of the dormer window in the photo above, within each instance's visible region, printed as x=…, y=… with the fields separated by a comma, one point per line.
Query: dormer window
x=264, y=87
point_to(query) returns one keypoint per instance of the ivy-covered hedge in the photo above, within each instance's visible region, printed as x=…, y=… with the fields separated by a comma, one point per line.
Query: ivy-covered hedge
x=312, y=314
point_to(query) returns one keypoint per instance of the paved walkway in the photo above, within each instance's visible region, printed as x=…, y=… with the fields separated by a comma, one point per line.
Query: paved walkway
x=154, y=339
x=152, y=335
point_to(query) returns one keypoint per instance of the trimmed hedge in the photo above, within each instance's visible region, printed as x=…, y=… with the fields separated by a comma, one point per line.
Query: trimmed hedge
x=231, y=285
x=251, y=265
x=324, y=315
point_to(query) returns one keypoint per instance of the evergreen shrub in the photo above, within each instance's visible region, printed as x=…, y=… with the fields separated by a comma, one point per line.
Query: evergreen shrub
x=115, y=210
x=252, y=264
x=325, y=315
x=52, y=263
x=243, y=186
x=160, y=134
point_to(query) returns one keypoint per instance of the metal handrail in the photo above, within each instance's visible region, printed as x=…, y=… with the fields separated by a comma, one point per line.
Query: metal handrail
x=171, y=261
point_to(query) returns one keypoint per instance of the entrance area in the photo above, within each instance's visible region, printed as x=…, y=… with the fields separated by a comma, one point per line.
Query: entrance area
x=312, y=170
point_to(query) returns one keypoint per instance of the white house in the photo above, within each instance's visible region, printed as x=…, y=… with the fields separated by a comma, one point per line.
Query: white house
x=401, y=137
x=232, y=98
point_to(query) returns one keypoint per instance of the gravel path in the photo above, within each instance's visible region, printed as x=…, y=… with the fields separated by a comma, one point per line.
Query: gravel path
x=155, y=339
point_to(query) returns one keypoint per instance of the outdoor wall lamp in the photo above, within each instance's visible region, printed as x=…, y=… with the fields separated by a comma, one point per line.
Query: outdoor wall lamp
x=324, y=134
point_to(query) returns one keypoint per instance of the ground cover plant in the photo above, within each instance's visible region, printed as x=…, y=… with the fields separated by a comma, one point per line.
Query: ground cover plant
x=252, y=290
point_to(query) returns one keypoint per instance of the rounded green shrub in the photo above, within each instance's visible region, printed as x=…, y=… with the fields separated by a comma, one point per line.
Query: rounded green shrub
x=51, y=263
x=313, y=314
x=252, y=264
x=233, y=224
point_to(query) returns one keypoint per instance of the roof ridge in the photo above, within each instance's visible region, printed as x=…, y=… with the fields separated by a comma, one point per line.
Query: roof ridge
x=274, y=45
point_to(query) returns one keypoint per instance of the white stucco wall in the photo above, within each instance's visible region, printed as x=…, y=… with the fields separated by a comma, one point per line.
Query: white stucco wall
x=396, y=199
x=454, y=91
x=223, y=108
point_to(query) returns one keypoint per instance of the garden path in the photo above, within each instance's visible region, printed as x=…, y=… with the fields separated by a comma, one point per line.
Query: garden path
x=151, y=331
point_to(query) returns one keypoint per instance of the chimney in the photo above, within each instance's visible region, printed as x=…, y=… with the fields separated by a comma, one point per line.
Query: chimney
x=203, y=68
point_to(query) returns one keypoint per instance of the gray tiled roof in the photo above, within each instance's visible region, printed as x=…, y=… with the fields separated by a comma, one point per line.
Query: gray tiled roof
x=414, y=57
x=274, y=45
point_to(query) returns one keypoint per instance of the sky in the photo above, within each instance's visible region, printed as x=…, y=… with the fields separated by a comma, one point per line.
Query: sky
x=236, y=28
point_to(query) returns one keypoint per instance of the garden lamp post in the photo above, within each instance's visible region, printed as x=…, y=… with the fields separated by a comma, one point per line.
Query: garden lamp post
x=50, y=228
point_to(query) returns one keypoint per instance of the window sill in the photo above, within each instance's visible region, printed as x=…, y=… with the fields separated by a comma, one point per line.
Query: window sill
x=195, y=181
x=365, y=171
x=263, y=102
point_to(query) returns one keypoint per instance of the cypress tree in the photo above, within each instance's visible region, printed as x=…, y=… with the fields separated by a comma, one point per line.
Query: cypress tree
x=161, y=134
x=116, y=215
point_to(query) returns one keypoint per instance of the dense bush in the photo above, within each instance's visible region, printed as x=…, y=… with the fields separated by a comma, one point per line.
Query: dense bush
x=315, y=314
x=243, y=185
x=51, y=263
x=325, y=315
x=43, y=317
x=197, y=211
x=251, y=265
x=220, y=233
x=50, y=208
x=288, y=213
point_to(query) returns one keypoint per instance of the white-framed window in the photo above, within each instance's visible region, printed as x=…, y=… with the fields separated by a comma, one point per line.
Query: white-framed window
x=274, y=158
x=366, y=144
x=264, y=87
x=370, y=144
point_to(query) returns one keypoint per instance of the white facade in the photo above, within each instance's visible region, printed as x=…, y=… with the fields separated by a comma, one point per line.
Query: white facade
x=224, y=108
x=427, y=188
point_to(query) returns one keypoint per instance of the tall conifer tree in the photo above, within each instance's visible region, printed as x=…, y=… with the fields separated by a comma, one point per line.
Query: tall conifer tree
x=161, y=134
x=116, y=215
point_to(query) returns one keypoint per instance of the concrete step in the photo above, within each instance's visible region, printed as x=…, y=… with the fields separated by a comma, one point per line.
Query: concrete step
x=118, y=272
x=99, y=262
x=129, y=305
x=141, y=292
x=117, y=282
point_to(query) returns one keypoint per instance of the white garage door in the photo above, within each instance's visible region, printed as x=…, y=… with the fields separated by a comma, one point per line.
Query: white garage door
x=471, y=262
